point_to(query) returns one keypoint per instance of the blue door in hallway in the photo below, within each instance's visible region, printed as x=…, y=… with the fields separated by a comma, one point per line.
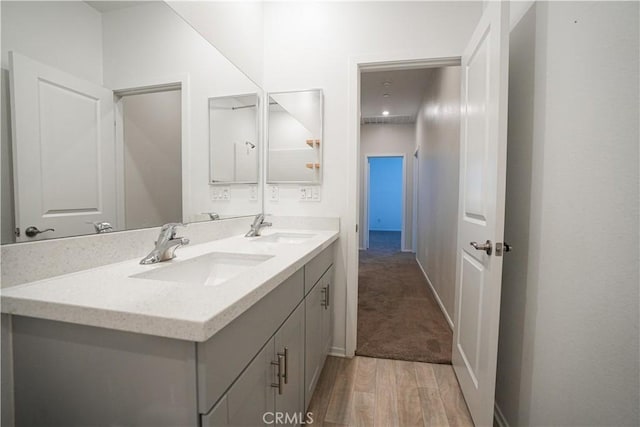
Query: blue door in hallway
x=385, y=195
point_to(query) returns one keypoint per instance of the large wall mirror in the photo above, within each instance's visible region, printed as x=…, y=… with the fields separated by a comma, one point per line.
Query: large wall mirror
x=105, y=121
x=233, y=133
x=295, y=137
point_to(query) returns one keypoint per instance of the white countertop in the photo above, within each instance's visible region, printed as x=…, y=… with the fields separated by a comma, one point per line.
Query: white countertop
x=108, y=297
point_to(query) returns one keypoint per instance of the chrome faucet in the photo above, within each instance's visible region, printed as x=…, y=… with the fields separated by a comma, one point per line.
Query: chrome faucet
x=258, y=223
x=101, y=227
x=213, y=216
x=166, y=244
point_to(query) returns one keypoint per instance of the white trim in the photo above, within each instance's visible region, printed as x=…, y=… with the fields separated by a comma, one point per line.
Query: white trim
x=435, y=294
x=414, y=201
x=374, y=62
x=365, y=190
x=158, y=84
x=498, y=416
x=365, y=217
x=337, y=351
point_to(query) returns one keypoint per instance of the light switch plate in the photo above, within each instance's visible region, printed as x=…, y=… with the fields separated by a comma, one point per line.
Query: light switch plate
x=310, y=193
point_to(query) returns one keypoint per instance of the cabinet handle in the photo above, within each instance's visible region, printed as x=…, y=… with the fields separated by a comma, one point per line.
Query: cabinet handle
x=279, y=364
x=325, y=301
x=285, y=354
x=327, y=295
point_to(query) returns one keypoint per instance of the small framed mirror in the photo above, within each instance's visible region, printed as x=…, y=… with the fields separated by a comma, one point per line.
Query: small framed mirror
x=233, y=139
x=294, y=132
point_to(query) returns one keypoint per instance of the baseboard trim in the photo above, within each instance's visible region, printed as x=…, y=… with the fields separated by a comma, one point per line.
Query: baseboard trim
x=498, y=416
x=435, y=294
x=407, y=250
x=338, y=352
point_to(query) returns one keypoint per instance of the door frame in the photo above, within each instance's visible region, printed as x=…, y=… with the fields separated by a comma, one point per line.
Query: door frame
x=414, y=213
x=366, y=198
x=137, y=87
x=428, y=58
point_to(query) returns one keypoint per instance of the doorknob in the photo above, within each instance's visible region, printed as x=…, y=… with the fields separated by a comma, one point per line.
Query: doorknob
x=33, y=231
x=487, y=246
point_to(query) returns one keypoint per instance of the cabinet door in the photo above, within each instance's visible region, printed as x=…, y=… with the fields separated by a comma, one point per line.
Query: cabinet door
x=289, y=341
x=327, y=313
x=313, y=339
x=251, y=397
x=219, y=415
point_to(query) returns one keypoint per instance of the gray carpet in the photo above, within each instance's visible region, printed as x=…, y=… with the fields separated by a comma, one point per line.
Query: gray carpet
x=398, y=317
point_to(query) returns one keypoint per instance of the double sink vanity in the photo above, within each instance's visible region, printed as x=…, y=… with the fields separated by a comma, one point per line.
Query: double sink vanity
x=127, y=120
x=226, y=332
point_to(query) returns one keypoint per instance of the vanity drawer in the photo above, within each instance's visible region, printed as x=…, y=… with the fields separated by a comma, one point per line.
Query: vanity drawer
x=316, y=268
x=223, y=357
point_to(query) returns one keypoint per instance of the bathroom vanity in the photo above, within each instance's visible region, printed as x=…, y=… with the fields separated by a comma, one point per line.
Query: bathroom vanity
x=230, y=330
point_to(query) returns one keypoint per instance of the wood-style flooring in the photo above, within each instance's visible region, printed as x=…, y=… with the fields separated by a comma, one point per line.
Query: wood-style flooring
x=366, y=391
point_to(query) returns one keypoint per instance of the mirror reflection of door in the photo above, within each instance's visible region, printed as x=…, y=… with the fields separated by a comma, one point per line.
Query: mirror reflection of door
x=63, y=150
x=152, y=158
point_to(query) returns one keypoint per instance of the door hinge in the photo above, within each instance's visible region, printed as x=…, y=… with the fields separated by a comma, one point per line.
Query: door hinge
x=17, y=231
x=356, y=228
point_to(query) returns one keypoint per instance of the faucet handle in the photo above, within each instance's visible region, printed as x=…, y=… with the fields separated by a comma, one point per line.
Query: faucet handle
x=173, y=225
x=170, y=228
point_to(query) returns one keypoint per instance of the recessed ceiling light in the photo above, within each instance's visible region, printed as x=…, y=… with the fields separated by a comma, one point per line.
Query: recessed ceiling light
x=385, y=113
x=386, y=95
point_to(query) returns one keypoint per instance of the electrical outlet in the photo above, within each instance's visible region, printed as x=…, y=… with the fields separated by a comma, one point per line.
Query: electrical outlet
x=253, y=192
x=215, y=194
x=315, y=193
x=226, y=194
x=274, y=193
x=303, y=193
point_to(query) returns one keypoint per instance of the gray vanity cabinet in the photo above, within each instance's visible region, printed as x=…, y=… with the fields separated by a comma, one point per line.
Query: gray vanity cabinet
x=75, y=375
x=318, y=322
x=259, y=392
x=289, y=342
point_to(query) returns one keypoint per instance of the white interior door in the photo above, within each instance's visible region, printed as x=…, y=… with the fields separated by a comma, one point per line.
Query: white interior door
x=481, y=209
x=64, y=152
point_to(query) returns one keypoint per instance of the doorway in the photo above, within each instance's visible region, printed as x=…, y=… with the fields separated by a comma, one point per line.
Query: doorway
x=385, y=202
x=399, y=313
x=149, y=122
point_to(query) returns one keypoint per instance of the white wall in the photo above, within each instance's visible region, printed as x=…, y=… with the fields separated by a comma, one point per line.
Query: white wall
x=168, y=47
x=62, y=34
x=233, y=27
x=389, y=139
x=438, y=142
x=152, y=160
x=7, y=215
x=569, y=338
x=327, y=35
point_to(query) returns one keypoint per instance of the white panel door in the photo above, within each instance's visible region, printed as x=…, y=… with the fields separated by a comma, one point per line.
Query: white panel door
x=63, y=150
x=481, y=210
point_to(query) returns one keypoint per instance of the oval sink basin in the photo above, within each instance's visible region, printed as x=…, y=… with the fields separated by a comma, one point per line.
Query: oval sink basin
x=206, y=270
x=284, y=238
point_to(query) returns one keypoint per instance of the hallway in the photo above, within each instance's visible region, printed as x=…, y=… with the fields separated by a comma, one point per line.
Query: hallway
x=398, y=317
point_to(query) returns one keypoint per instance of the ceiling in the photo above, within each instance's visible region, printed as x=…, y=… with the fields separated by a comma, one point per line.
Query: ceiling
x=405, y=89
x=108, y=6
